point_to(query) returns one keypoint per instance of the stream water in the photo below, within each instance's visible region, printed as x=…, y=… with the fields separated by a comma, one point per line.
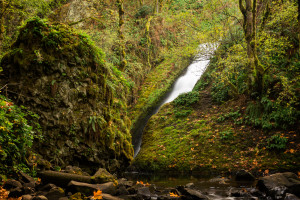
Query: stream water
x=185, y=83
x=214, y=188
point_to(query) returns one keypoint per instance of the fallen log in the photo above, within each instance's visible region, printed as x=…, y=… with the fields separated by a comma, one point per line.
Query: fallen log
x=62, y=179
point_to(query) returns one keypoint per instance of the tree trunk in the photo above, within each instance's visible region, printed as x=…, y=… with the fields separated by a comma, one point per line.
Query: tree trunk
x=123, y=61
x=255, y=70
x=141, y=2
x=299, y=24
x=2, y=28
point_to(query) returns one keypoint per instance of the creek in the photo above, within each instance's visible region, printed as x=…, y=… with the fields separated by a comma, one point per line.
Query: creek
x=214, y=188
x=185, y=83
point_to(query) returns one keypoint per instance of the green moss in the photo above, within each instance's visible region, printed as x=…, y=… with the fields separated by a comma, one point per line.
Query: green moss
x=200, y=142
x=83, y=80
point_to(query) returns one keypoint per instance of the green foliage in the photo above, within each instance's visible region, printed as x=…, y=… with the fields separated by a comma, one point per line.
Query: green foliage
x=181, y=113
x=17, y=134
x=269, y=114
x=277, y=142
x=226, y=135
x=233, y=115
x=176, y=5
x=144, y=11
x=220, y=92
x=187, y=99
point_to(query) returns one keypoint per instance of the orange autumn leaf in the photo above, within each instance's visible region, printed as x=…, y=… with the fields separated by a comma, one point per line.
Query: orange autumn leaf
x=266, y=172
x=173, y=194
x=140, y=183
x=97, y=195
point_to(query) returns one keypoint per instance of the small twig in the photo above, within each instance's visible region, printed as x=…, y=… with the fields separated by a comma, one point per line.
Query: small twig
x=3, y=86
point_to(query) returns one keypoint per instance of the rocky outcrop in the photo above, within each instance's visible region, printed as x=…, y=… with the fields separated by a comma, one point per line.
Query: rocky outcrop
x=61, y=76
x=278, y=185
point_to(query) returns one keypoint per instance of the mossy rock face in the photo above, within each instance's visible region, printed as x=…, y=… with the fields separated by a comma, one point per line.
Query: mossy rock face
x=60, y=75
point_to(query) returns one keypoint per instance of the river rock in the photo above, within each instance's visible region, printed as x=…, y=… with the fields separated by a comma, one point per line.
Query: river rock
x=244, y=175
x=55, y=193
x=125, y=182
x=27, y=197
x=144, y=192
x=103, y=176
x=12, y=184
x=190, y=185
x=277, y=185
x=122, y=190
x=190, y=194
x=75, y=170
x=16, y=192
x=289, y=196
x=47, y=187
x=40, y=197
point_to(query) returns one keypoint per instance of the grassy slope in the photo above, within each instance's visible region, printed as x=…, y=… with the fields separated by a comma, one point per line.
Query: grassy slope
x=204, y=141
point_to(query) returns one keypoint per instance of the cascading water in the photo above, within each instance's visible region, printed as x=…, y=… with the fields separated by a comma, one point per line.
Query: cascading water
x=185, y=83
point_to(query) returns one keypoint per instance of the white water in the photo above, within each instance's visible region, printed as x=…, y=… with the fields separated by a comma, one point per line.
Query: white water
x=188, y=80
x=185, y=83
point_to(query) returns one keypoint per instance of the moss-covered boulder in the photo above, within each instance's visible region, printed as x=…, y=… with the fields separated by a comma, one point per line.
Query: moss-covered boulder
x=60, y=75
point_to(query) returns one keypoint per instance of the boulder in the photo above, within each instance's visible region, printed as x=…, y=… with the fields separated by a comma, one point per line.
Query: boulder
x=88, y=189
x=55, y=193
x=131, y=197
x=244, y=175
x=191, y=193
x=11, y=184
x=190, y=185
x=103, y=176
x=27, y=197
x=28, y=190
x=75, y=170
x=144, y=192
x=46, y=187
x=63, y=79
x=167, y=197
x=40, y=197
x=16, y=192
x=289, y=196
x=277, y=185
x=125, y=182
x=122, y=190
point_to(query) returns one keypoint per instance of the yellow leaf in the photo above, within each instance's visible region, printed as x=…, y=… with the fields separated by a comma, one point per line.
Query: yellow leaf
x=173, y=194
x=292, y=150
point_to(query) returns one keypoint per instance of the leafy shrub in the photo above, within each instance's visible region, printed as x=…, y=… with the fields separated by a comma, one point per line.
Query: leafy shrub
x=226, y=135
x=182, y=113
x=144, y=11
x=234, y=115
x=187, y=99
x=277, y=142
x=201, y=85
x=16, y=134
x=219, y=92
x=269, y=114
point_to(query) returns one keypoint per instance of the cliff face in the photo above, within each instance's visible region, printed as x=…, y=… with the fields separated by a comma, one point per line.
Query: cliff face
x=60, y=75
